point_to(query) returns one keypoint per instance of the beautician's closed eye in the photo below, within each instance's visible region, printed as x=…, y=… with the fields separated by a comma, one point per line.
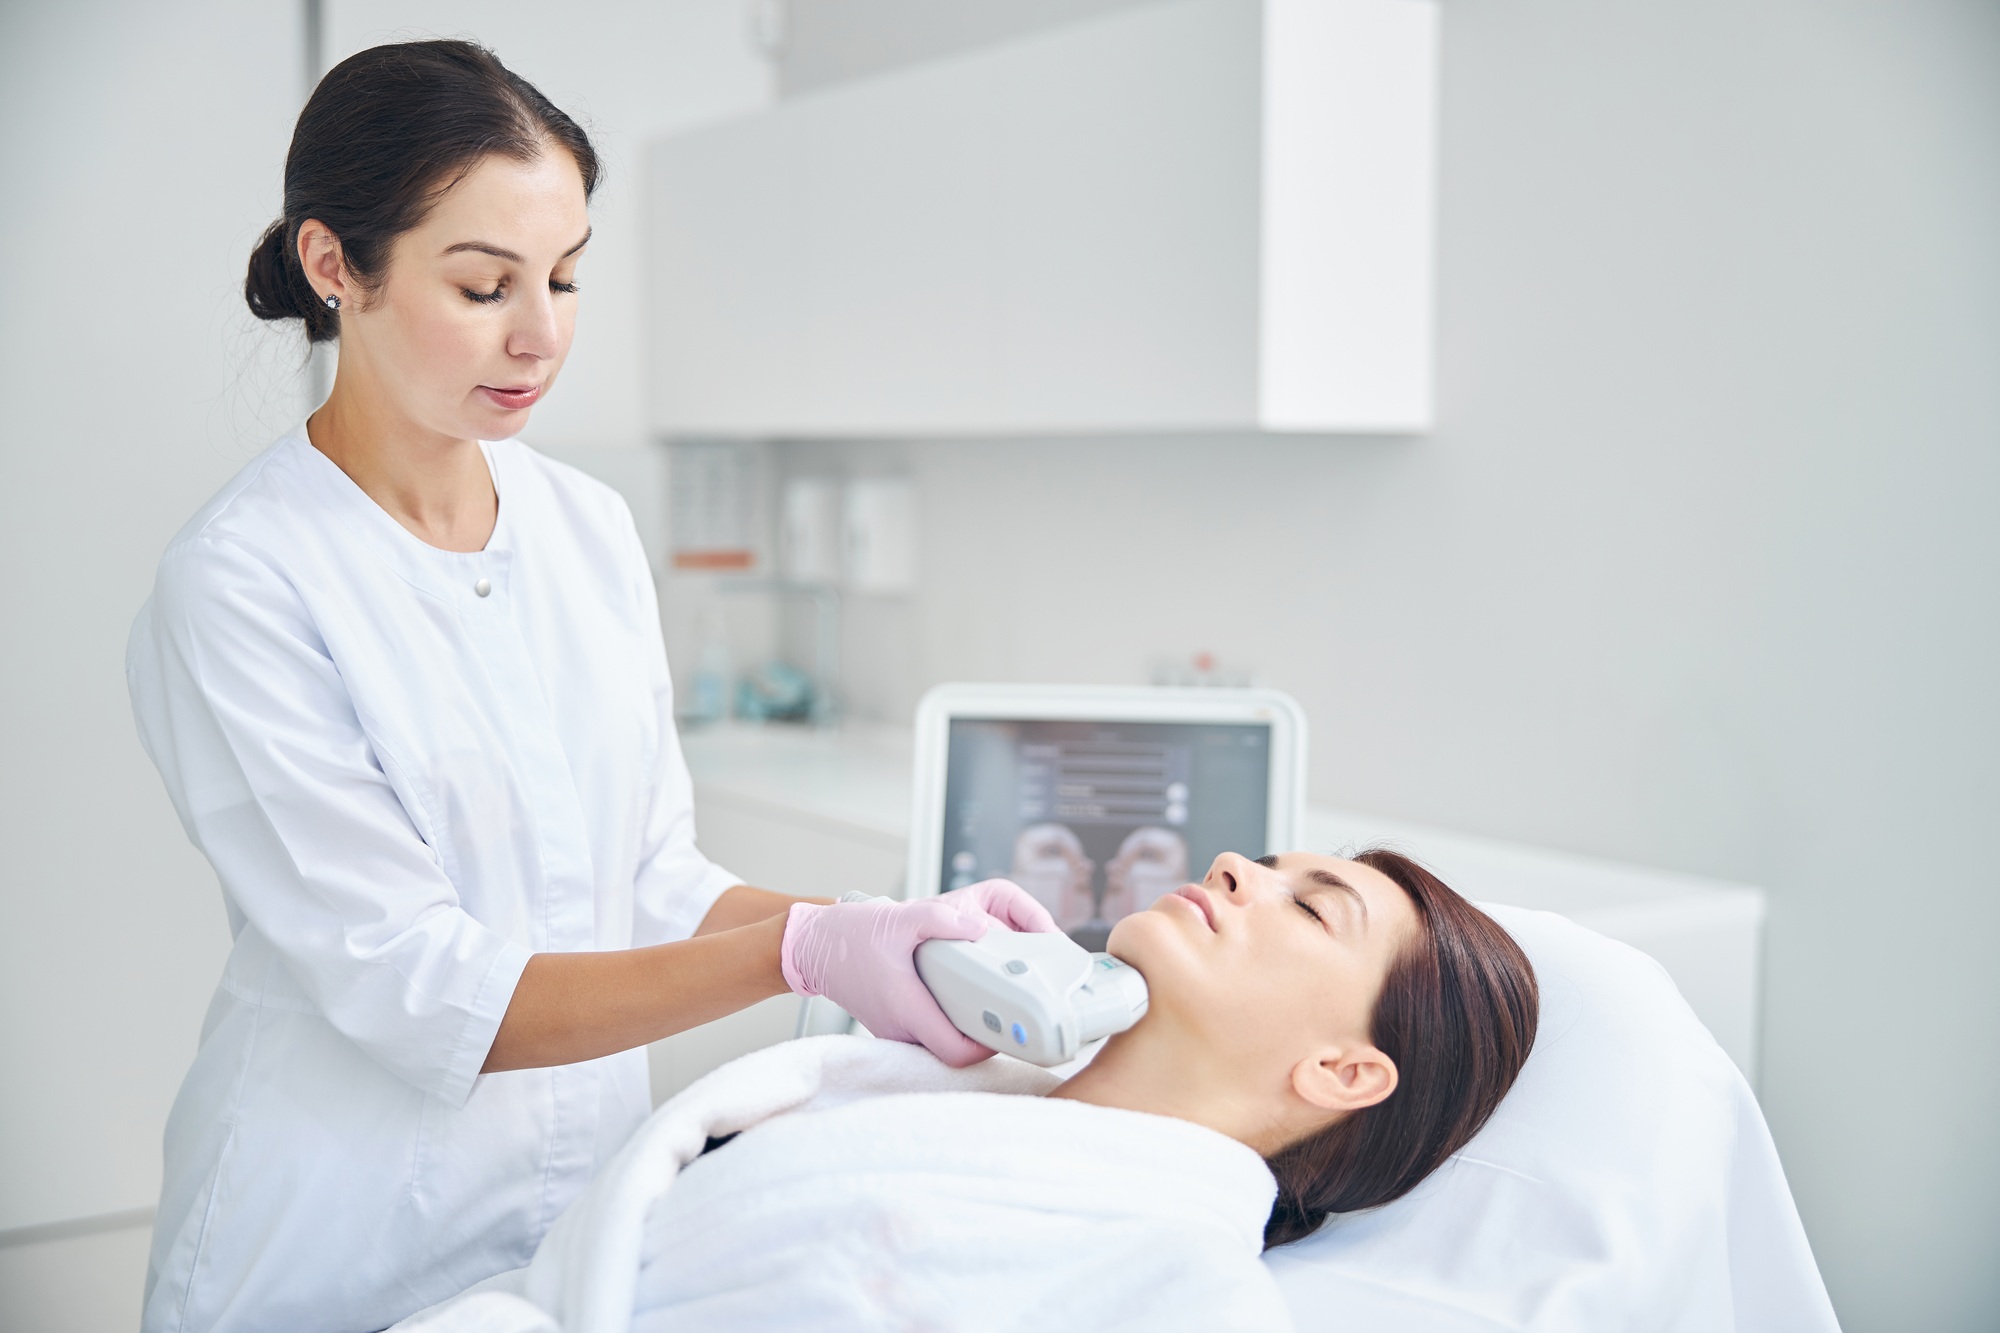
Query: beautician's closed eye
x=499, y=293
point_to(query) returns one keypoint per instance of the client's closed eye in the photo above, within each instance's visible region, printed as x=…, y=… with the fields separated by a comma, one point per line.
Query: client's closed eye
x=1306, y=906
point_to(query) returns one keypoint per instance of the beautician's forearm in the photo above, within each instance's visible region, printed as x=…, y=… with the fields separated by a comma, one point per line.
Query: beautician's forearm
x=579, y=1006
x=743, y=906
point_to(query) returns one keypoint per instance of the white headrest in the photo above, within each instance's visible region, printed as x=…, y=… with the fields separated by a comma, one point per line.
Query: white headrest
x=1628, y=1180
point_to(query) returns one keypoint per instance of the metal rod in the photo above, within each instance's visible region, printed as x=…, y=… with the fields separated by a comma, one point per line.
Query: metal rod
x=312, y=19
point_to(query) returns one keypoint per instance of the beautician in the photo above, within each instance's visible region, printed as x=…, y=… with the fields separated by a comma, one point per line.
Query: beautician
x=408, y=694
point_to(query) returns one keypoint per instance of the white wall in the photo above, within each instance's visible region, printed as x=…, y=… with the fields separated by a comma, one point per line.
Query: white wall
x=145, y=157
x=142, y=160
x=1701, y=569
x=832, y=41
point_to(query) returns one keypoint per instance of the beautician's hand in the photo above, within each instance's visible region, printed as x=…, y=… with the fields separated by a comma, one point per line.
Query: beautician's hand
x=862, y=956
x=1007, y=902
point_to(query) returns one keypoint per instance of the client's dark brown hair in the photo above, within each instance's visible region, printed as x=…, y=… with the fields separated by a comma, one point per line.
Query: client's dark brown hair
x=1457, y=1014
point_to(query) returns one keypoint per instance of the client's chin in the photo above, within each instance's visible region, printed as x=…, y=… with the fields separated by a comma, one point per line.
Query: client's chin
x=1153, y=944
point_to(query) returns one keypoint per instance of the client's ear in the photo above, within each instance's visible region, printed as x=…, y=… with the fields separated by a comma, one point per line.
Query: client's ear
x=1345, y=1080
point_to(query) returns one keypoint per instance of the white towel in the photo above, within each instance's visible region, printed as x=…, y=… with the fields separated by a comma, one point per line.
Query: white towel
x=875, y=1188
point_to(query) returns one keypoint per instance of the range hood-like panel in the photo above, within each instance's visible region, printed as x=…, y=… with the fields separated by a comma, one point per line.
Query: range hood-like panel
x=1203, y=215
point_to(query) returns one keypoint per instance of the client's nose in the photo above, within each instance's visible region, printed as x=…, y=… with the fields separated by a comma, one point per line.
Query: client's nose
x=1231, y=873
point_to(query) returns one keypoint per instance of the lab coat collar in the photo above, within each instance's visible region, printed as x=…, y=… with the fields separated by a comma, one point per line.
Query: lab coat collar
x=451, y=576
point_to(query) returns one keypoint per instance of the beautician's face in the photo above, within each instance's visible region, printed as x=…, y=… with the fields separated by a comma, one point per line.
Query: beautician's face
x=474, y=314
x=1265, y=962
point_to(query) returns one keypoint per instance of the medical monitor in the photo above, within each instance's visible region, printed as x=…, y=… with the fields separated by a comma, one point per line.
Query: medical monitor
x=1098, y=800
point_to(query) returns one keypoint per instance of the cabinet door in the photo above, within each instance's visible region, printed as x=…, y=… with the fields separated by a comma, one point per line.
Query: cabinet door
x=792, y=853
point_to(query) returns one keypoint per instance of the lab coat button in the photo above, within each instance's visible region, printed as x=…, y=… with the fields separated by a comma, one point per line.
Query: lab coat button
x=482, y=587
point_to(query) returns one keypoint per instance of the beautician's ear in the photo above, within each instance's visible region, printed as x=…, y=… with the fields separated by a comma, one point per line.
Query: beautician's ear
x=1347, y=1080
x=320, y=257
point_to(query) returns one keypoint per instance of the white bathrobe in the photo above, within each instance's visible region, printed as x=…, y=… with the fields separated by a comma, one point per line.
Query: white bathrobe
x=872, y=1187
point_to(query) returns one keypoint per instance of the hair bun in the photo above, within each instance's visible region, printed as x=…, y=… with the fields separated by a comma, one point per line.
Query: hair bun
x=274, y=287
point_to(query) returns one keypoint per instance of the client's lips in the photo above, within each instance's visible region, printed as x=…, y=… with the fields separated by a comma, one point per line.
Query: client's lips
x=1199, y=897
x=515, y=398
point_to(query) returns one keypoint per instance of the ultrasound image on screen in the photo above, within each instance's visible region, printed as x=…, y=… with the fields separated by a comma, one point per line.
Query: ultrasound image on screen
x=1099, y=819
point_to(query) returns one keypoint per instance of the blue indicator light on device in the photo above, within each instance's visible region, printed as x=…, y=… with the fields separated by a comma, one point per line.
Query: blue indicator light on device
x=1020, y=1035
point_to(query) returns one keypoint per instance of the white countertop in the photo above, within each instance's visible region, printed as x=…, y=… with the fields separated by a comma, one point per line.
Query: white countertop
x=856, y=777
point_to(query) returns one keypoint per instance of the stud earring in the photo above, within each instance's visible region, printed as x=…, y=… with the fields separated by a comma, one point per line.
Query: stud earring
x=333, y=303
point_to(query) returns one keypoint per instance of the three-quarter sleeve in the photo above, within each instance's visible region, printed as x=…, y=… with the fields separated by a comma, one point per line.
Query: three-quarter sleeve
x=676, y=885
x=244, y=711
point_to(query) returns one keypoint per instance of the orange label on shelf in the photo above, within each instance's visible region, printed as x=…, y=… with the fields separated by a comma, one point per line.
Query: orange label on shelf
x=714, y=559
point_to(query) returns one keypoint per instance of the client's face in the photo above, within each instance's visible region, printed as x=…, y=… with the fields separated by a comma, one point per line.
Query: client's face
x=1263, y=977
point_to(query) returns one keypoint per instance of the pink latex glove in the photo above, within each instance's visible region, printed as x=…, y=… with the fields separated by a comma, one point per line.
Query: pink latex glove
x=862, y=956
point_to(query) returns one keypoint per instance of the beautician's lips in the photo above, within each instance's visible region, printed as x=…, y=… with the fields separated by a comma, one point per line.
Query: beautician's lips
x=514, y=399
x=1199, y=897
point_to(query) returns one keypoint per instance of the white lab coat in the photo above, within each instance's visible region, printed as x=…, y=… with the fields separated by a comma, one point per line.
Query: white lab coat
x=406, y=788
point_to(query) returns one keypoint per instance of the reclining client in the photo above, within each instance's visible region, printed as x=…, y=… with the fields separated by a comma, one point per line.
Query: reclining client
x=1322, y=1035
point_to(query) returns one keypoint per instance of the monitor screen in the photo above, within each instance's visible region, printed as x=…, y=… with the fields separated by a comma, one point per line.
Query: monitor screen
x=1099, y=819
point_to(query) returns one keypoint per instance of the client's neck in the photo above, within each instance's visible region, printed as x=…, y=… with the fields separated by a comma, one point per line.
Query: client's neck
x=1147, y=1071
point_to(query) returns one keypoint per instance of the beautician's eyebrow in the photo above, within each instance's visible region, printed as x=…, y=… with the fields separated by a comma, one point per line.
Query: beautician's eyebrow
x=481, y=247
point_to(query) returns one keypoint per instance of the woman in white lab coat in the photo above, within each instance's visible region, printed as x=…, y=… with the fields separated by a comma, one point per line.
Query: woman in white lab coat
x=408, y=694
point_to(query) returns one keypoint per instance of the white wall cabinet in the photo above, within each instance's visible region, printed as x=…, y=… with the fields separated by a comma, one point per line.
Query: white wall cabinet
x=1195, y=215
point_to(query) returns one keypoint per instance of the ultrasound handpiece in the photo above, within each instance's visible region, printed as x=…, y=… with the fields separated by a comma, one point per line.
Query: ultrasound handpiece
x=1041, y=997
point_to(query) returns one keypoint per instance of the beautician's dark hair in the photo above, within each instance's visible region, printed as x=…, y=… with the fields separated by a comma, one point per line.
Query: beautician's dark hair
x=385, y=134
x=1457, y=1014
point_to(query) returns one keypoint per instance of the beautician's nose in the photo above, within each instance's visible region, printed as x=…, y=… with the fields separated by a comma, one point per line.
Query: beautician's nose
x=535, y=331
